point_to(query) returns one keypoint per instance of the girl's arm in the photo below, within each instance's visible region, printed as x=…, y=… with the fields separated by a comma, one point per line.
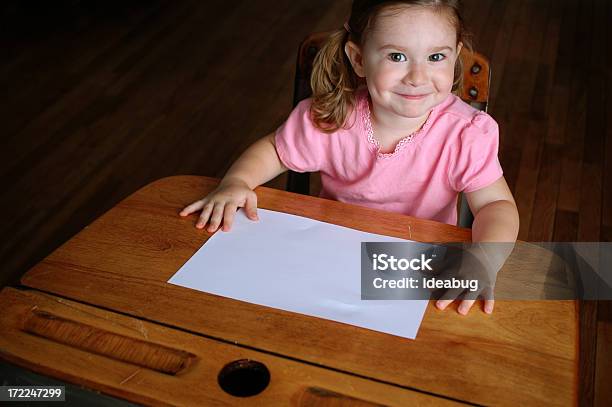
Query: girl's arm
x=496, y=219
x=256, y=166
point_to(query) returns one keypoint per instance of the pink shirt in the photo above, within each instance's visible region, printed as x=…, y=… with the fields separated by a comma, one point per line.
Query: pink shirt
x=455, y=150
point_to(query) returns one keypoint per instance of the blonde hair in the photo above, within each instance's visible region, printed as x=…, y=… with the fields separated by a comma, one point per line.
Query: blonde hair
x=333, y=79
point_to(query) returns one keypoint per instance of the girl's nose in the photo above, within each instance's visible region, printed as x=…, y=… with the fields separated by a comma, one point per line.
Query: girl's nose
x=416, y=75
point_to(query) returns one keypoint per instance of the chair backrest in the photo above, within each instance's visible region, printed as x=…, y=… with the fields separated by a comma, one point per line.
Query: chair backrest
x=474, y=90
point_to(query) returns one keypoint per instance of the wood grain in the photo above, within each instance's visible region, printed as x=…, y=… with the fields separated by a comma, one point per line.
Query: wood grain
x=102, y=342
x=196, y=384
x=524, y=352
x=603, y=390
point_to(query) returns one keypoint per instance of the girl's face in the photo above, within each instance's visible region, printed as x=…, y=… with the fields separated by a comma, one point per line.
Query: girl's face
x=408, y=60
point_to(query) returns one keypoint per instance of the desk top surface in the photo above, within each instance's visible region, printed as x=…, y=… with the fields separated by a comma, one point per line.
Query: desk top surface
x=526, y=351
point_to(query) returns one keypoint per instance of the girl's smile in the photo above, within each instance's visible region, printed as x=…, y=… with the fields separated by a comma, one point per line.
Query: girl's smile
x=413, y=97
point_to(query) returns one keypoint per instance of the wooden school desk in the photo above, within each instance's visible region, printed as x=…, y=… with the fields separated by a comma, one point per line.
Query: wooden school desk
x=98, y=312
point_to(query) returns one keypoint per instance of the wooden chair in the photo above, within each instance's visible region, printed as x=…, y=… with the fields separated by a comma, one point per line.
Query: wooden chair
x=475, y=91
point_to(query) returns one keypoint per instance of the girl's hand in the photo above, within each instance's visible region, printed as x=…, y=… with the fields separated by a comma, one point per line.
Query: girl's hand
x=222, y=204
x=466, y=305
x=474, y=264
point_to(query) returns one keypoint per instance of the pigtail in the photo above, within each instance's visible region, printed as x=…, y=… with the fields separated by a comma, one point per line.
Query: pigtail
x=465, y=37
x=458, y=75
x=333, y=84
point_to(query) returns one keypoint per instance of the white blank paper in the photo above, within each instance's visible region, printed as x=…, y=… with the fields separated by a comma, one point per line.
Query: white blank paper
x=297, y=264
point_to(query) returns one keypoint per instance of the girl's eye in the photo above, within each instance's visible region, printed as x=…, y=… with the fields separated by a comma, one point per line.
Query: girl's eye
x=436, y=57
x=397, y=57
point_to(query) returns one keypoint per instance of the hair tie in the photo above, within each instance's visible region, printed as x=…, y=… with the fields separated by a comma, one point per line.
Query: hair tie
x=347, y=27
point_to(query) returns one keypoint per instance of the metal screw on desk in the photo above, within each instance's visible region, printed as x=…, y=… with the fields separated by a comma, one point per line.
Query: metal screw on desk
x=475, y=69
x=473, y=92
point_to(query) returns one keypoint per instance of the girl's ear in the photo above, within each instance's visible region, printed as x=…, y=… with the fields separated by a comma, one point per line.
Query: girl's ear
x=353, y=52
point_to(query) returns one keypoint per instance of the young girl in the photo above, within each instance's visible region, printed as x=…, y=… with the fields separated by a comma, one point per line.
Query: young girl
x=384, y=129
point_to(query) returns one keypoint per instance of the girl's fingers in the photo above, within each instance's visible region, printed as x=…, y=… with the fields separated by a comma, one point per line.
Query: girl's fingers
x=228, y=216
x=205, y=215
x=217, y=216
x=448, y=297
x=251, y=206
x=488, y=306
x=442, y=304
x=489, y=302
x=465, y=306
x=196, y=206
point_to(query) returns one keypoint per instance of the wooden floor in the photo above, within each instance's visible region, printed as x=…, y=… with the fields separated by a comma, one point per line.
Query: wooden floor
x=99, y=100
